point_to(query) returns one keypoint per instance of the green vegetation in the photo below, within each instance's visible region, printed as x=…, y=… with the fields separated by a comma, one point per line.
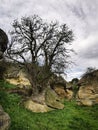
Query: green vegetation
x=5, y=85
x=72, y=117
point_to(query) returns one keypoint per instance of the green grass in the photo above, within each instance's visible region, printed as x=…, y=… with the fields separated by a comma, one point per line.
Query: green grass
x=5, y=85
x=72, y=117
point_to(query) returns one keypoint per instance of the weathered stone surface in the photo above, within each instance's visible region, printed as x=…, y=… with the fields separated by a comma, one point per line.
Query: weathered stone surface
x=21, y=91
x=36, y=107
x=85, y=102
x=88, y=92
x=68, y=94
x=17, y=77
x=52, y=100
x=40, y=98
x=4, y=120
x=44, y=102
x=60, y=92
x=88, y=95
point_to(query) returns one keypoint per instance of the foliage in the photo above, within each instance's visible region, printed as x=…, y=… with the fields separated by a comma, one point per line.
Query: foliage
x=72, y=117
x=74, y=80
x=36, y=43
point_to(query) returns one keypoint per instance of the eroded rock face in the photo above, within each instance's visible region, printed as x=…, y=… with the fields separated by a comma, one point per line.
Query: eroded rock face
x=88, y=92
x=60, y=92
x=88, y=95
x=52, y=100
x=60, y=86
x=44, y=102
x=16, y=76
x=68, y=94
x=4, y=120
x=36, y=107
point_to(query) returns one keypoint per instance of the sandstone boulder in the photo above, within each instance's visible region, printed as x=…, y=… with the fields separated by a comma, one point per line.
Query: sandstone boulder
x=88, y=95
x=36, y=107
x=85, y=102
x=16, y=76
x=52, y=100
x=68, y=94
x=4, y=120
x=60, y=92
x=88, y=91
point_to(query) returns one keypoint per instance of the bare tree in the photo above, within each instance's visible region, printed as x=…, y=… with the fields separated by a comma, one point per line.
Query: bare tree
x=40, y=47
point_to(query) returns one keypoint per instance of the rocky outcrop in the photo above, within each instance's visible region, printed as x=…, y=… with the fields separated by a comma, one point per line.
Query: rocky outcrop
x=61, y=87
x=16, y=76
x=4, y=120
x=68, y=94
x=44, y=102
x=52, y=100
x=88, y=92
x=21, y=91
x=87, y=95
x=36, y=107
x=60, y=92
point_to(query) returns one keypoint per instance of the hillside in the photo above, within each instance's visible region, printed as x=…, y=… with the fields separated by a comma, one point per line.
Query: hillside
x=72, y=117
x=59, y=111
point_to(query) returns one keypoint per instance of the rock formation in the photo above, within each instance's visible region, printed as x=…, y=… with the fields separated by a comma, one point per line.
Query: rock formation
x=88, y=92
x=16, y=76
x=44, y=102
x=52, y=99
x=36, y=107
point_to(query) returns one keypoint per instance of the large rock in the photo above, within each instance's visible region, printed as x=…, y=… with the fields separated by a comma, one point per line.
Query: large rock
x=68, y=94
x=85, y=102
x=88, y=95
x=44, y=102
x=16, y=76
x=60, y=92
x=52, y=100
x=88, y=92
x=36, y=107
x=4, y=120
x=60, y=86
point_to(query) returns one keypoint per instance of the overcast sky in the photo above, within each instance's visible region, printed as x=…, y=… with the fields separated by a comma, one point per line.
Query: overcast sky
x=80, y=15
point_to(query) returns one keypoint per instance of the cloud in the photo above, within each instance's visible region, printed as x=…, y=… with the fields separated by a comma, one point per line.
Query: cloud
x=91, y=52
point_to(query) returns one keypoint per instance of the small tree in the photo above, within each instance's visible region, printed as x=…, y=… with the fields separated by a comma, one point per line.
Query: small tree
x=40, y=47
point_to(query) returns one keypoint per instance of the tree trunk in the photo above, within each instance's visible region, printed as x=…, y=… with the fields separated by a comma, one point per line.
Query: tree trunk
x=38, y=78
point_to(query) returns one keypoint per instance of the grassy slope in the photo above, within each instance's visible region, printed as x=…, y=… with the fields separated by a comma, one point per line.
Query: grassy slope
x=72, y=117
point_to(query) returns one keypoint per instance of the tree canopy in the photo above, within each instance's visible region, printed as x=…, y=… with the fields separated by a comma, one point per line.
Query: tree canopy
x=36, y=43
